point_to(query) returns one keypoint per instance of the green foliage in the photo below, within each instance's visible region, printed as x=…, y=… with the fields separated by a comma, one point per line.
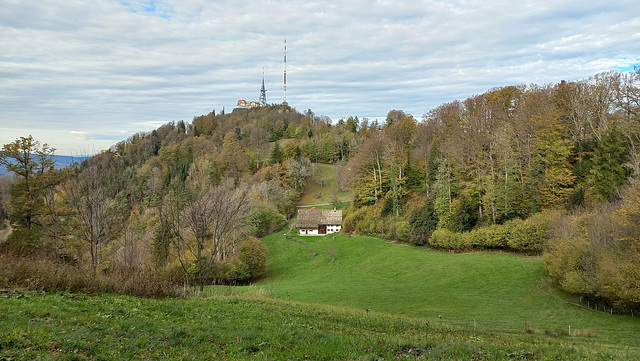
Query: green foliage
x=253, y=253
x=576, y=198
x=276, y=153
x=465, y=213
x=526, y=236
x=34, y=211
x=594, y=251
x=421, y=223
x=265, y=219
x=445, y=239
x=607, y=172
x=363, y=220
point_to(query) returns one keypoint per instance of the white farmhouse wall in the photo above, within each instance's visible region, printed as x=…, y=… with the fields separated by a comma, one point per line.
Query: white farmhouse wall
x=314, y=232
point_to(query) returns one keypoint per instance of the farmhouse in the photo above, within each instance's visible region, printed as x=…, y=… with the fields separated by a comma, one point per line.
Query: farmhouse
x=318, y=222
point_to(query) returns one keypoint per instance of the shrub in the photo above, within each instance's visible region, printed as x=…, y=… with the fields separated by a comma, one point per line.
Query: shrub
x=516, y=235
x=528, y=235
x=265, y=219
x=444, y=238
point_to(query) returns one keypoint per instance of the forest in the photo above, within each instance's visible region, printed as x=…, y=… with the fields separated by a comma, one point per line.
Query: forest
x=549, y=170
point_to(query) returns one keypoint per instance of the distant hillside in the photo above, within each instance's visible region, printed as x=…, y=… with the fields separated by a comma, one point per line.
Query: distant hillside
x=61, y=162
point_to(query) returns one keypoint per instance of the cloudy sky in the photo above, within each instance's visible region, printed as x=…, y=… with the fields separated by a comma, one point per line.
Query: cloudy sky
x=82, y=75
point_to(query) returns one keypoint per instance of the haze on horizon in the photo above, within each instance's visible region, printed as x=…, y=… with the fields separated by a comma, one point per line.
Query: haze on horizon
x=82, y=76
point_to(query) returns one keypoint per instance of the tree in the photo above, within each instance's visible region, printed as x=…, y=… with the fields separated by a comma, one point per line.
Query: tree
x=607, y=172
x=422, y=223
x=554, y=153
x=87, y=195
x=211, y=219
x=276, y=153
x=253, y=253
x=34, y=164
x=394, y=115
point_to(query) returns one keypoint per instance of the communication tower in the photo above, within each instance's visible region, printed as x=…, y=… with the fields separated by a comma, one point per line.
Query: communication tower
x=285, y=72
x=263, y=92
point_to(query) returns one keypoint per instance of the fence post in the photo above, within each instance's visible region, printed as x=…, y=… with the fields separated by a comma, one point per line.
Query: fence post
x=569, y=330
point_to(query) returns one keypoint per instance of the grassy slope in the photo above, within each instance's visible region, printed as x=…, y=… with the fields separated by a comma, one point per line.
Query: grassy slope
x=500, y=291
x=323, y=183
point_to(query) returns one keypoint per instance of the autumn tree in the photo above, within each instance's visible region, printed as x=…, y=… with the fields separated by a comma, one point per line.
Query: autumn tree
x=34, y=165
x=211, y=219
x=363, y=172
x=86, y=193
x=253, y=255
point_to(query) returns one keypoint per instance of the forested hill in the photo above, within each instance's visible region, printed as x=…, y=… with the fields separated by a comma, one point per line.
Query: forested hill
x=481, y=173
x=61, y=161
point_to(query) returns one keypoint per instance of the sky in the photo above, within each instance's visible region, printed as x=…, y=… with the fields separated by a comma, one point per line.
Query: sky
x=82, y=75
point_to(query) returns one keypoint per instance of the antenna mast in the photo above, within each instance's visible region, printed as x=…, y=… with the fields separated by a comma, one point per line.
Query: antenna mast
x=263, y=92
x=285, y=72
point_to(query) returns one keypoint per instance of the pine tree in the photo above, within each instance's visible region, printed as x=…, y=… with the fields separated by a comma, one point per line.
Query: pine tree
x=276, y=154
x=608, y=173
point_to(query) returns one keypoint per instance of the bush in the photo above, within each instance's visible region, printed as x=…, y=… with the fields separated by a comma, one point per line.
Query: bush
x=528, y=235
x=445, y=239
x=516, y=235
x=265, y=219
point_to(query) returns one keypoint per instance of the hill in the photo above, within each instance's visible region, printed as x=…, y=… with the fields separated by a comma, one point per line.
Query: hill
x=61, y=162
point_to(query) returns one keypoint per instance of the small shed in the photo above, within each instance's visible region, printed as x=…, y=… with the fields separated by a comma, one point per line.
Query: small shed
x=318, y=222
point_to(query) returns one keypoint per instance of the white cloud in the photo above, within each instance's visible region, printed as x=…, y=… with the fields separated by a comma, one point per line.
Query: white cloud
x=109, y=68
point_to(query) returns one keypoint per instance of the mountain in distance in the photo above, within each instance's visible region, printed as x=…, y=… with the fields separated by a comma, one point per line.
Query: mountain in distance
x=61, y=162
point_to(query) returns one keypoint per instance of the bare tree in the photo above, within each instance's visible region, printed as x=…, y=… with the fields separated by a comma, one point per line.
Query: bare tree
x=210, y=221
x=90, y=202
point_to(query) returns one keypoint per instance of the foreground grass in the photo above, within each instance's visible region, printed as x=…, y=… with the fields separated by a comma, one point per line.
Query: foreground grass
x=106, y=327
x=496, y=293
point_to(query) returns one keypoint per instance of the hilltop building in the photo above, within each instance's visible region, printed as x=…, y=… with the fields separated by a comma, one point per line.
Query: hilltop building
x=318, y=222
x=243, y=104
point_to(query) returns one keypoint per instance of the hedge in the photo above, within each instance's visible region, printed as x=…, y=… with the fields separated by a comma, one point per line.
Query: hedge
x=517, y=235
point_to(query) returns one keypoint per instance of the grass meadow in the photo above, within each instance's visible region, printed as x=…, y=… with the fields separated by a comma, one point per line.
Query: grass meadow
x=64, y=326
x=323, y=185
x=490, y=292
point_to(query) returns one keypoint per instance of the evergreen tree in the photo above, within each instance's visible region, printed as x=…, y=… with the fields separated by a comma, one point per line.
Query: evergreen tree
x=276, y=154
x=422, y=223
x=607, y=172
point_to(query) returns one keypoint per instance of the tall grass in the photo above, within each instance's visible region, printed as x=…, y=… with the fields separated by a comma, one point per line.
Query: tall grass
x=40, y=269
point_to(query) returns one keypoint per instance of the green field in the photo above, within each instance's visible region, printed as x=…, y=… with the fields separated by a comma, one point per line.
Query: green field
x=62, y=326
x=501, y=293
x=314, y=308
